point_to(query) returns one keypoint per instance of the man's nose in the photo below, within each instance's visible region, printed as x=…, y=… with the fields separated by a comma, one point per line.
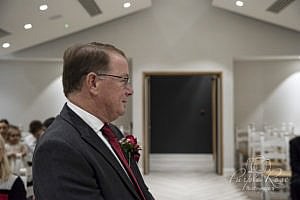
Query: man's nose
x=129, y=90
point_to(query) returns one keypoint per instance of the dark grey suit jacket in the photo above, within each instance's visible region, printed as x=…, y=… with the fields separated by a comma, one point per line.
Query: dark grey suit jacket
x=295, y=166
x=71, y=162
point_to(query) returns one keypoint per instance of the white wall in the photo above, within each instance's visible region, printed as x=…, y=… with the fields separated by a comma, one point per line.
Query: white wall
x=30, y=90
x=267, y=92
x=183, y=35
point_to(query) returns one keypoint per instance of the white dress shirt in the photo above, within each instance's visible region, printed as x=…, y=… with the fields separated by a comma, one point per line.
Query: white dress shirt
x=95, y=123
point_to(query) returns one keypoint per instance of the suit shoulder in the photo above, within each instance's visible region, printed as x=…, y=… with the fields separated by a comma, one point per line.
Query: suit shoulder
x=60, y=131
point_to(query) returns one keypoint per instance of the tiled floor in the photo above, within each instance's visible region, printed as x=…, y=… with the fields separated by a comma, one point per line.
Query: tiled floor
x=269, y=195
x=190, y=177
x=192, y=186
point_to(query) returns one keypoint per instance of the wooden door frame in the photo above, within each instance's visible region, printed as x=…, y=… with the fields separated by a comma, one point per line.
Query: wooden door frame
x=146, y=141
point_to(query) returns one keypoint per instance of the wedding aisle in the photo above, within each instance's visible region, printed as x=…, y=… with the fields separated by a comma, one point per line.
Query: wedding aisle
x=189, y=177
x=192, y=186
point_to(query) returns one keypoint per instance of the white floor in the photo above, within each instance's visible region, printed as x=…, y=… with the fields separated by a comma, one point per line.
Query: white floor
x=192, y=186
x=192, y=177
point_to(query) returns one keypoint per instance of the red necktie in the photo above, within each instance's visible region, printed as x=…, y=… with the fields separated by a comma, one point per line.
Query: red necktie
x=112, y=139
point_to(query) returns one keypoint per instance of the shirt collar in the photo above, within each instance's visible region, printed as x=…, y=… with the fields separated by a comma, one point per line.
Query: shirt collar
x=95, y=123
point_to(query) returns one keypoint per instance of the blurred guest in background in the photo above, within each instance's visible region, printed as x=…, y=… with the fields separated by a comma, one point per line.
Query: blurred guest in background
x=36, y=128
x=15, y=150
x=48, y=122
x=11, y=186
x=4, y=125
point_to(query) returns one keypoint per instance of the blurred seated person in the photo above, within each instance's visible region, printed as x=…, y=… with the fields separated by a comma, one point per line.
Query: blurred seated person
x=48, y=122
x=15, y=150
x=11, y=186
x=36, y=128
x=295, y=167
x=4, y=125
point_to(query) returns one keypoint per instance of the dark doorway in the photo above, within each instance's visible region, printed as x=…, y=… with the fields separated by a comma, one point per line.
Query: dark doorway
x=185, y=102
x=181, y=119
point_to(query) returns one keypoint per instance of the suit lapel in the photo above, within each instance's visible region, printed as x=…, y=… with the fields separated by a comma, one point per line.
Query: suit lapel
x=134, y=166
x=90, y=137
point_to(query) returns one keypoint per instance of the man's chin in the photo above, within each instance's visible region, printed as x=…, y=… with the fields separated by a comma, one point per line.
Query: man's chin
x=122, y=113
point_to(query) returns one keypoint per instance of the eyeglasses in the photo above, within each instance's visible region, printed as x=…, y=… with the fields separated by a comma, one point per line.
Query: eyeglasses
x=125, y=80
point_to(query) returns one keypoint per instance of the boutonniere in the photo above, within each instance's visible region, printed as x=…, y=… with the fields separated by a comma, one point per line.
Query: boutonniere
x=130, y=147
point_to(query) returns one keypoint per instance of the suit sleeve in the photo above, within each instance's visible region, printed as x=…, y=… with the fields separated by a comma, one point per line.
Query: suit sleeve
x=61, y=172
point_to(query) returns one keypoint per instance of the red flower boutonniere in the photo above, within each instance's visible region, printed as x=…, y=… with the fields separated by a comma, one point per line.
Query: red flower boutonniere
x=130, y=147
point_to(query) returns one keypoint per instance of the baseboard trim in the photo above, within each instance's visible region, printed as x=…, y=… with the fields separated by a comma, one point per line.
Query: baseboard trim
x=181, y=162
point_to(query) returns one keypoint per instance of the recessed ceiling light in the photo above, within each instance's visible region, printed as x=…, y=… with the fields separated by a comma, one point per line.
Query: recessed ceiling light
x=127, y=5
x=43, y=7
x=28, y=26
x=5, y=45
x=239, y=3
x=67, y=25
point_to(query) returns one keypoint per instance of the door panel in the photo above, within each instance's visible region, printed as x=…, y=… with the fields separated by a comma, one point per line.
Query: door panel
x=180, y=115
x=216, y=116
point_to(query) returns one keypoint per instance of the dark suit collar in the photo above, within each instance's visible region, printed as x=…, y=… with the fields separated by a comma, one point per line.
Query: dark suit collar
x=88, y=135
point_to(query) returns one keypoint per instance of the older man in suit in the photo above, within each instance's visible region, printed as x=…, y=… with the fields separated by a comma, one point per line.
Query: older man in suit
x=79, y=157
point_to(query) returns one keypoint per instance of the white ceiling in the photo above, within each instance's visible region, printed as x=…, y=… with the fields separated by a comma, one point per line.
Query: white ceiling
x=289, y=17
x=50, y=24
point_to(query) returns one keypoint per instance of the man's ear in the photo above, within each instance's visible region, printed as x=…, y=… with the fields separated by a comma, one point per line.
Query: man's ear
x=92, y=82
